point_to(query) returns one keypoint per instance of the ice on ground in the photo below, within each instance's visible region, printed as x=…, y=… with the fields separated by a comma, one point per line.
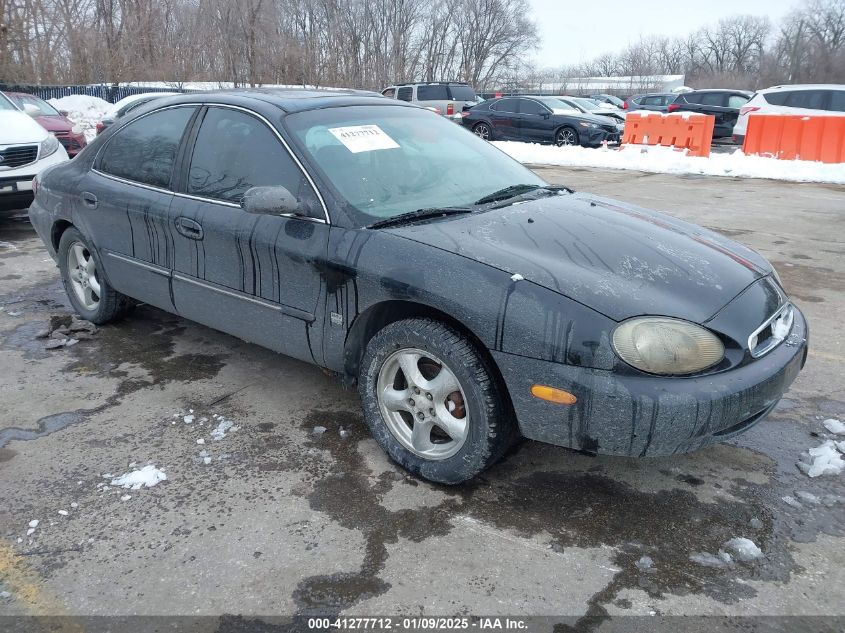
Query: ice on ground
x=74, y=505
x=319, y=430
x=710, y=560
x=33, y=523
x=206, y=460
x=343, y=433
x=743, y=548
x=64, y=513
x=657, y=159
x=30, y=531
x=756, y=523
x=5, y=594
x=224, y=426
x=840, y=446
x=834, y=426
x=126, y=497
x=822, y=460
x=188, y=419
x=200, y=441
x=808, y=497
x=147, y=477
x=792, y=501
x=645, y=563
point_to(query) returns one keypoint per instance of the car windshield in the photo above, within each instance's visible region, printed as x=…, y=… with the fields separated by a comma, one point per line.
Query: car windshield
x=587, y=104
x=5, y=104
x=44, y=108
x=389, y=160
x=557, y=106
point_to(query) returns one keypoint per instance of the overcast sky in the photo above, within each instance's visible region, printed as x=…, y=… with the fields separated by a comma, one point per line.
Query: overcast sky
x=574, y=32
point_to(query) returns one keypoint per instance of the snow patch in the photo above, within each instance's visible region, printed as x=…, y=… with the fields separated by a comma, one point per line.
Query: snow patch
x=834, y=426
x=666, y=160
x=224, y=427
x=83, y=111
x=822, y=460
x=743, y=548
x=147, y=477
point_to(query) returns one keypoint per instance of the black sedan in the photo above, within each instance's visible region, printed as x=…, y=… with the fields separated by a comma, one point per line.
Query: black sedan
x=342, y=230
x=538, y=120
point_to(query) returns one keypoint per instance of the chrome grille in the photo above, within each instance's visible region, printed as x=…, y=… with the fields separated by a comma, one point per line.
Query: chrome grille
x=18, y=156
x=773, y=330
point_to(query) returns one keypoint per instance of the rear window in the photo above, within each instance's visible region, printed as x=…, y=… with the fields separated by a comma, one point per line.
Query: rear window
x=777, y=98
x=432, y=93
x=145, y=150
x=708, y=98
x=462, y=93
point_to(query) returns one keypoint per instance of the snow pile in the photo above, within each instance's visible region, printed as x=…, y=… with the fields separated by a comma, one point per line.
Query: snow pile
x=834, y=426
x=823, y=460
x=84, y=111
x=665, y=160
x=147, y=477
x=744, y=549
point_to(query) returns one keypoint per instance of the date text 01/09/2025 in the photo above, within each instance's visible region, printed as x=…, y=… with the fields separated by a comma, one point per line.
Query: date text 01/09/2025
x=417, y=623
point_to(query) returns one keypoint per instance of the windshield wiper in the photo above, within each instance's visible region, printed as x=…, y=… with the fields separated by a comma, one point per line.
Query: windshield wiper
x=419, y=214
x=517, y=190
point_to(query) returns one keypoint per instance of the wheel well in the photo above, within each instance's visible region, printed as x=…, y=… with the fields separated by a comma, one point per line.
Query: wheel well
x=59, y=227
x=367, y=325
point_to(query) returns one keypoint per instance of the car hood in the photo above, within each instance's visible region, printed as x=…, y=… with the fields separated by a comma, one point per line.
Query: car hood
x=17, y=127
x=618, y=259
x=55, y=123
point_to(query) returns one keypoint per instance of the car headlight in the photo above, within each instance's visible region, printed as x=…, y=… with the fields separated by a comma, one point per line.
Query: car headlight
x=48, y=146
x=585, y=124
x=661, y=345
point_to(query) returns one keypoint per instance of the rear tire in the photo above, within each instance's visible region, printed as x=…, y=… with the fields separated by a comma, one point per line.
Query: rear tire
x=430, y=401
x=90, y=294
x=483, y=130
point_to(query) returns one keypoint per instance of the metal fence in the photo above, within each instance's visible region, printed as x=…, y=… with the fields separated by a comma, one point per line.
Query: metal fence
x=107, y=92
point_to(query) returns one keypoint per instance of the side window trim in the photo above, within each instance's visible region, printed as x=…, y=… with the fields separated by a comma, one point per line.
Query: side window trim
x=95, y=166
x=189, y=151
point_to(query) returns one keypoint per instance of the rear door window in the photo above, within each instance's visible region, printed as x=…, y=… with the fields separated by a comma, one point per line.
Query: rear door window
x=405, y=94
x=711, y=98
x=234, y=152
x=837, y=101
x=506, y=105
x=432, y=93
x=145, y=150
x=807, y=99
x=529, y=106
x=737, y=101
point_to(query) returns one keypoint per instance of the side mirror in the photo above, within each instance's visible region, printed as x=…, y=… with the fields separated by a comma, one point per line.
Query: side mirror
x=31, y=110
x=271, y=201
x=546, y=115
x=63, y=112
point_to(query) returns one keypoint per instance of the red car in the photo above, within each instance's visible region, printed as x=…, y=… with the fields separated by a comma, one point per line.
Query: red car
x=51, y=120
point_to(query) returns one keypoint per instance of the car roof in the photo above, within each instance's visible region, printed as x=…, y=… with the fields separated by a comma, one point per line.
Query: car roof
x=288, y=99
x=735, y=91
x=805, y=87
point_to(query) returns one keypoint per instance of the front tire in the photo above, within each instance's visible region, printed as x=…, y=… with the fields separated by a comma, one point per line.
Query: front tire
x=430, y=401
x=566, y=136
x=90, y=294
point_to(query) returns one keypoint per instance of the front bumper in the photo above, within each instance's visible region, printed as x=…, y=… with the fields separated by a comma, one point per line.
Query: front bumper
x=595, y=137
x=16, y=184
x=641, y=415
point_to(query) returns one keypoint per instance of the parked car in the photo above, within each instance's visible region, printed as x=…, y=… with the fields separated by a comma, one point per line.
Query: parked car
x=656, y=102
x=610, y=100
x=470, y=300
x=26, y=149
x=446, y=98
x=539, y=120
x=126, y=105
x=722, y=104
x=808, y=99
x=588, y=106
x=52, y=120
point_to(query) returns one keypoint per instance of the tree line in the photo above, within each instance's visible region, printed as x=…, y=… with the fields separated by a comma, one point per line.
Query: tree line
x=357, y=43
x=743, y=51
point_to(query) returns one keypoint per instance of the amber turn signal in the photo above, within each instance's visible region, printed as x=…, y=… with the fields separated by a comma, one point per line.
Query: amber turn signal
x=550, y=394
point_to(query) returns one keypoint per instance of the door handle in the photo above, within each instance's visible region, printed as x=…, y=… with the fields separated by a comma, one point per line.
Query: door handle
x=89, y=199
x=189, y=228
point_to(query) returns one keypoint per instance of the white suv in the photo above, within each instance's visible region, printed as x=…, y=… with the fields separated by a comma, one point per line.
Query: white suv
x=26, y=149
x=818, y=99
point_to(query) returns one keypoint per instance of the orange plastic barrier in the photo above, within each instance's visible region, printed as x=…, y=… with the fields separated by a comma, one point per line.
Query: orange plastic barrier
x=796, y=137
x=690, y=131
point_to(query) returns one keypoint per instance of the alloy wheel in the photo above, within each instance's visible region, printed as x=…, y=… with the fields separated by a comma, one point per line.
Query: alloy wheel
x=82, y=274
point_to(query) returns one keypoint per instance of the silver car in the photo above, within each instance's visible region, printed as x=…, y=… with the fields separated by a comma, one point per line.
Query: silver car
x=444, y=97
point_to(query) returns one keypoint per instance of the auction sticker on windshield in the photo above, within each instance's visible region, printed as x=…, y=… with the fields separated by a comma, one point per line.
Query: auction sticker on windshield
x=363, y=138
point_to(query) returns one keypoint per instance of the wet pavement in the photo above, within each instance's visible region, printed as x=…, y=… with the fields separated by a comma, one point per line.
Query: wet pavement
x=275, y=518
